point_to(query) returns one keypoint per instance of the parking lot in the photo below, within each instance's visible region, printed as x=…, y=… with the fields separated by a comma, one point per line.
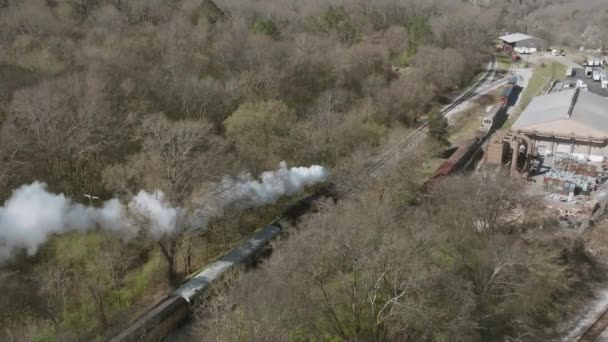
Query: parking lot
x=579, y=74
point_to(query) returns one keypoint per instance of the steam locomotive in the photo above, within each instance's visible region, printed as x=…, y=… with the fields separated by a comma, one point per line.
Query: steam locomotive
x=170, y=313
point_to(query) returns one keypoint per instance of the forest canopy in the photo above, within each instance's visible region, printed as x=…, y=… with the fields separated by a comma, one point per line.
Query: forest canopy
x=104, y=99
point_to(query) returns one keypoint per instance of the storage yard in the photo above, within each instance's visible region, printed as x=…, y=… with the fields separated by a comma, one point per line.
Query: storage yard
x=572, y=189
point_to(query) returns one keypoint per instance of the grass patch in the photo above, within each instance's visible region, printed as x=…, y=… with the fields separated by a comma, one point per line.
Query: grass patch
x=137, y=284
x=468, y=123
x=504, y=62
x=427, y=169
x=544, y=75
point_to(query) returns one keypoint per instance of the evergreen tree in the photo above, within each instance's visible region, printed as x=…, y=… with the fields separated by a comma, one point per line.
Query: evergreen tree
x=438, y=128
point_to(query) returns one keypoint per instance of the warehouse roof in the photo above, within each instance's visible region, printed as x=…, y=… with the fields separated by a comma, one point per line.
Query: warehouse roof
x=515, y=37
x=571, y=112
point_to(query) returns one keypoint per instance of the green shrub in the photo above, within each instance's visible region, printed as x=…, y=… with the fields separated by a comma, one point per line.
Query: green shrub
x=266, y=27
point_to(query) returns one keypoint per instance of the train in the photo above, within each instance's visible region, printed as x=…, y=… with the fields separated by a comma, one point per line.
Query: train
x=507, y=92
x=467, y=153
x=175, y=309
x=458, y=161
x=166, y=316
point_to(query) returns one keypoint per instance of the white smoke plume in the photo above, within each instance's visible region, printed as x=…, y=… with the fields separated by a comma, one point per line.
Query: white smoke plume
x=32, y=214
x=161, y=218
x=245, y=191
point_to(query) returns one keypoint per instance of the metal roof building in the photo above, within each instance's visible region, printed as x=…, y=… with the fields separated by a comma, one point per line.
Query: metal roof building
x=523, y=41
x=515, y=37
x=572, y=121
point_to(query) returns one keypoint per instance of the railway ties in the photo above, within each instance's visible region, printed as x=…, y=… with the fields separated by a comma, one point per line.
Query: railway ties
x=595, y=331
x=480, y=87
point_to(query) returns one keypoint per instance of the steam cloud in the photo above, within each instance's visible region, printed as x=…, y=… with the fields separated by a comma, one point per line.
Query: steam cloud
x=32, y=214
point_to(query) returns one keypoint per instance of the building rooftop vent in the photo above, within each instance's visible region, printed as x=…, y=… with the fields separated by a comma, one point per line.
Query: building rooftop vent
x=573, y=102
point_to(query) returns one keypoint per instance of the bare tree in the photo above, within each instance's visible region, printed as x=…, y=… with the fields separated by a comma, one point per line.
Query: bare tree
x=177, y=157
x=67, y=127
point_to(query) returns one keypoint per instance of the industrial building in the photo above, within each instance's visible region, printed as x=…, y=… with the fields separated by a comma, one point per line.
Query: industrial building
x=522, y=43
x=571, y=122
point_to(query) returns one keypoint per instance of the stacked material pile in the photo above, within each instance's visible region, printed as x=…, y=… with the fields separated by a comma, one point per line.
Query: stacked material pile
x=566, y=182
x=558, y=185
x=576, y=167
x=569, y=176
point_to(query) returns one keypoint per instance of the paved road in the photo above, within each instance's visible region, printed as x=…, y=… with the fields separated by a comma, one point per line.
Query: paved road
x=524, y=76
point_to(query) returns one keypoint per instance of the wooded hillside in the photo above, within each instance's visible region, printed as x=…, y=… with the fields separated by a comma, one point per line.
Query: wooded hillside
x=104, y=98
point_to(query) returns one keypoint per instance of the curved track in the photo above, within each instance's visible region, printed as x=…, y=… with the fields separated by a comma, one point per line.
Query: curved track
x=480, y=87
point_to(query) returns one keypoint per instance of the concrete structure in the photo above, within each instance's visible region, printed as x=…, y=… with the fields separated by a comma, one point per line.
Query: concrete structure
x=522, y=43
x=570, y=122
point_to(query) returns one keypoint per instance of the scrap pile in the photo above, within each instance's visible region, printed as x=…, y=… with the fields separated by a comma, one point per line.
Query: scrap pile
x=565, y=183
x=574, y=216
x=570, y=217
x=570, y=176
x=570, y=183
x=576, y=167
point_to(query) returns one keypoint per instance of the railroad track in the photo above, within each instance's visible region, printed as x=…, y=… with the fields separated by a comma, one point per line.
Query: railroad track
x=596, y=329
x=478, y=88
x=158, y=322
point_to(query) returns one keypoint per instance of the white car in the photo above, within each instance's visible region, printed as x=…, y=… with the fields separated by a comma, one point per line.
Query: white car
x=581, y=85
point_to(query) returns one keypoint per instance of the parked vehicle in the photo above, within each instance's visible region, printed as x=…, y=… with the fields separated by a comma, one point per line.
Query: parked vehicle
x=604, y=80
x=597, y=76
x=581, y=85
x=570, y=72
x=555, y=53
x=589, y=72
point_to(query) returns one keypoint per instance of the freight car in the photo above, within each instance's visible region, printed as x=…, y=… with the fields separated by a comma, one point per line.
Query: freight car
x=468, y=151
x=508, y=90
x=457, y=162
